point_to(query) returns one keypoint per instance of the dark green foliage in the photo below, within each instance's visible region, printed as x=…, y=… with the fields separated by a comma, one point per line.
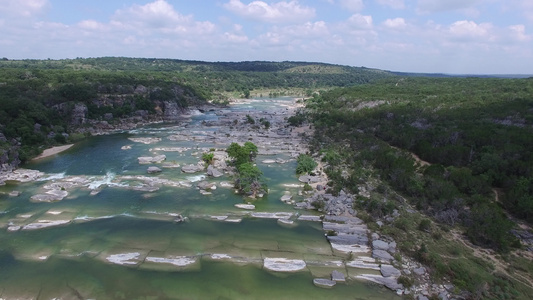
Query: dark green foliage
x=248, y=179
x=208, y=157
x=250, y=120
x=476, y=133
x=489, y=226
x=407, y=282
x=305, y=164
x=242, y=154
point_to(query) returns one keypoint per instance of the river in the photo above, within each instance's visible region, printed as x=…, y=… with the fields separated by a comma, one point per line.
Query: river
x=114, y=235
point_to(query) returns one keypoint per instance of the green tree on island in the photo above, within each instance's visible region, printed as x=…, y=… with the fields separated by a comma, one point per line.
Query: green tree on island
x=248, y=179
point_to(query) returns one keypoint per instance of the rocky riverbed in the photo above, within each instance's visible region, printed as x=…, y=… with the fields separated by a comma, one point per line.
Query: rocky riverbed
x=165, y=163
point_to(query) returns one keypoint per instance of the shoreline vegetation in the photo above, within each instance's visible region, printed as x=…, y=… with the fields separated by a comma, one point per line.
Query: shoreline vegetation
x=412, y=164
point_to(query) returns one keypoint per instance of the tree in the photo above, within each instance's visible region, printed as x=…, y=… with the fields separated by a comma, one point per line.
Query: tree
x=305, y=164
x=242, y=154
x=248, y=177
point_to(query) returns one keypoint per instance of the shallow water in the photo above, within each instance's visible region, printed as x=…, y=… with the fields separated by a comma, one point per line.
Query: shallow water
x=203, y=258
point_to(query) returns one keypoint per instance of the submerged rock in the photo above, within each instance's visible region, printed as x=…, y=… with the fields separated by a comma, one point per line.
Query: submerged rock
x=152, y=170
x=143, y=160
x=50, y=196
x=337, y=276
x=40, y=224
x=324, y=283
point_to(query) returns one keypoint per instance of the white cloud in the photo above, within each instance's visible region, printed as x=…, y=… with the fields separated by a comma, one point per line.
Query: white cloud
x=397, y=23
x=22, y=8
x=518, y=33
x=394, y=4
x=431, y=6
x=279, y=12
x=158, y=14
x=468, y=30
x=235, y=38
x=352, y=5
x=359, y=21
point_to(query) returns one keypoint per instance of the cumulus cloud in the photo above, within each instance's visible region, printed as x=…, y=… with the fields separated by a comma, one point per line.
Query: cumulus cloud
x=470, y=30
x=397, y=23
x=518, y=33
x=394, y=4
x=359, y=21
x=279, y=12
x=22, y=8
x=352, y=5
x=430, y=6
x=158, y=14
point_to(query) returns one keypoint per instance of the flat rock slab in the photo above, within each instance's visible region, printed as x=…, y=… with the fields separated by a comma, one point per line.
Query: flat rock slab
x=284, y=264
x=338, y=276
x=151, y=159
x=310, y=179
x=145, y=141
x=131, y=258
x=324, y=283
x=245, y=206
x=50, y=196
x=179, y=261
x=276, y=215
x=309, y=218
x=389, y=282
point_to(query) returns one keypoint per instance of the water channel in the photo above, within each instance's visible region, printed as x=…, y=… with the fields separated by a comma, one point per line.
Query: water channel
x=115, y=236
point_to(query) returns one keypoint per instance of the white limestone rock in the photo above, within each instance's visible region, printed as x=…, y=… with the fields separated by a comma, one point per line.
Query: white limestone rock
x=284, y=264
x=324, y=283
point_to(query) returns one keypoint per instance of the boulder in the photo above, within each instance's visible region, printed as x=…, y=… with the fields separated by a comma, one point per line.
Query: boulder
x=389, y=271
x=204, y=185
x=152, y=170
x=286, y=197
x=420, y=271
x=211, y=171
x=380, y=245
x=382, y=255
x=191, y=169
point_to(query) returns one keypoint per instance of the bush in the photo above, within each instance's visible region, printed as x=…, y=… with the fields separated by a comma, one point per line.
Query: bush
x=208, y=158
x=305, y=164
x=424, y=225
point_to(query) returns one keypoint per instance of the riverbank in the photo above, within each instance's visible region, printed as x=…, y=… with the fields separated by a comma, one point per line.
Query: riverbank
x=53, y=151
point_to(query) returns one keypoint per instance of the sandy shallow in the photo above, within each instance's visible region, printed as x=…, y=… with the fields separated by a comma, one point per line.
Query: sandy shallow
x=53, y=151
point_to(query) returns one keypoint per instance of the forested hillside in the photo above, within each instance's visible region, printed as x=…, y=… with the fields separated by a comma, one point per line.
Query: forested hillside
x=48, y=102
x=457, y=149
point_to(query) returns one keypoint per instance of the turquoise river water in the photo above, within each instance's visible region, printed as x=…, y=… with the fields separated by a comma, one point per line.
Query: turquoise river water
x=118, y=242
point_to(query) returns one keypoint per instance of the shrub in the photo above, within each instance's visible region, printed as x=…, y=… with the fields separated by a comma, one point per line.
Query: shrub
x=305, y=164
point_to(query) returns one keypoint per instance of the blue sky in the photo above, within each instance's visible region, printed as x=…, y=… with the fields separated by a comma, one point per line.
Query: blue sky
x=449, y=36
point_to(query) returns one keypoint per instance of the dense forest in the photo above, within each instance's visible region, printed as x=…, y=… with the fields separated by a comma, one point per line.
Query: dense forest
x=48, y=102
x=456, y=149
